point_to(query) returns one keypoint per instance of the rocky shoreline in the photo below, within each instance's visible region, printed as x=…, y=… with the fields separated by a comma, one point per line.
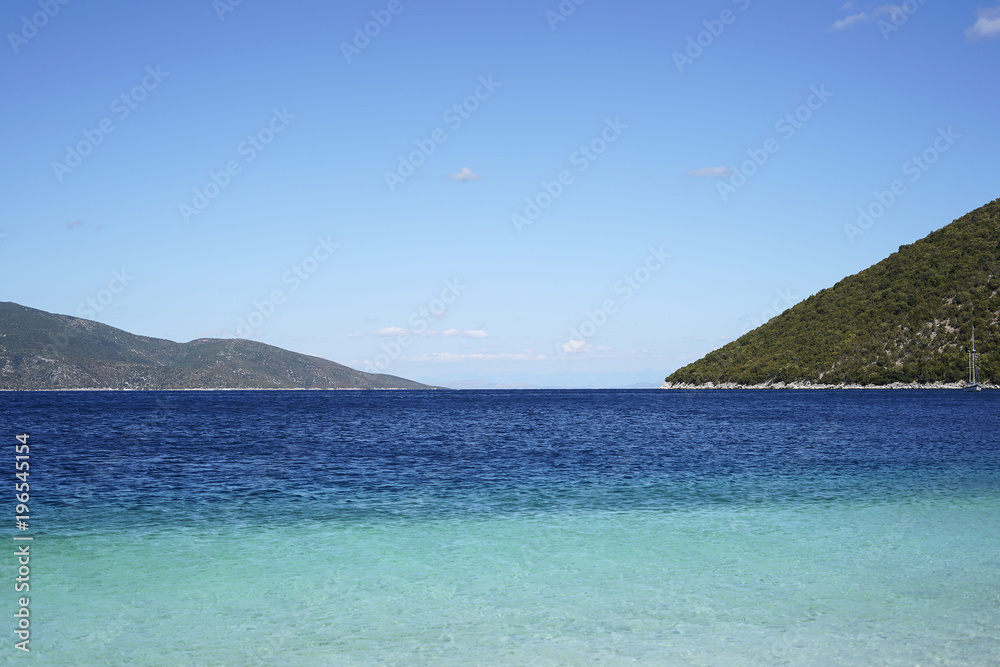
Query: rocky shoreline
x=811, y=385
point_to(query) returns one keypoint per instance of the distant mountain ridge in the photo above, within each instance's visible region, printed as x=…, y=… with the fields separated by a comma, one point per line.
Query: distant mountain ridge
x=906, y=319
x=40, y=350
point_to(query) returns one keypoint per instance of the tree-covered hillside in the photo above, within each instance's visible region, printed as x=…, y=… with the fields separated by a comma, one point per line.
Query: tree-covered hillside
x=908, y=318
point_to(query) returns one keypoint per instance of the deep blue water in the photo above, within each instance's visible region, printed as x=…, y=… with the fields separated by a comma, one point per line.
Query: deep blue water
x=245, y=456
x=529, y=527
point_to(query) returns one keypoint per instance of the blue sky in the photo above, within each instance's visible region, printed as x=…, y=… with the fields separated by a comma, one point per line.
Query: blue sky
x=520, y=192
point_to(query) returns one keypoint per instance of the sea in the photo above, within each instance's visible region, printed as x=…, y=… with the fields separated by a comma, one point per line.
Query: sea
x=578, y=527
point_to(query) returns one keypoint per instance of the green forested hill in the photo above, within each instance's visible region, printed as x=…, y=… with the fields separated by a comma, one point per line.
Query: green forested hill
x=907, y=318
x=40, y=350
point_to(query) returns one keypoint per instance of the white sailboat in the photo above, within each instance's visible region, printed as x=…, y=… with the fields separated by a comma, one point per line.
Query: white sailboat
x=973, y=382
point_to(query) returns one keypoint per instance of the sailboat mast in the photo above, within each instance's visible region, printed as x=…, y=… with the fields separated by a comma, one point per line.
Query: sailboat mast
x=973, y=357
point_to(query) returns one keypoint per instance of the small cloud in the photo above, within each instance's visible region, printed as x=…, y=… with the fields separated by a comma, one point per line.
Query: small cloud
x=396, y=331
x=449, y=357
x=465, y=174
x=847, y=6
x=709, y=172
x=865, y=17
x=391, y=332
x=987, y=25
x=76, y=224
x=575, y=345
x=853, y=19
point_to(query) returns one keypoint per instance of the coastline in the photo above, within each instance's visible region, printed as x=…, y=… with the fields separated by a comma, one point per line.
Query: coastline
x=234, y=389
x=810, y=385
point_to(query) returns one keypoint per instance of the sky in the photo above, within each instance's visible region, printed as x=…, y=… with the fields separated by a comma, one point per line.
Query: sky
x=578, y=194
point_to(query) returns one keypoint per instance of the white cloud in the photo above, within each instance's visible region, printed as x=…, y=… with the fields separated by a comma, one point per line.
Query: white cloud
x=449, y=357
x=393, y=331
x=848, y=21
x=865, y=17
x=987, y=25
x=396, y=331
x=575, y=345
x=465, y=174
x=710, y=172
x=427, y=333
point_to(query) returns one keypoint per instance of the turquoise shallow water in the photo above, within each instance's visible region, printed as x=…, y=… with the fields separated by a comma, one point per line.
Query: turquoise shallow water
x=489, y=548
x=905, y=583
